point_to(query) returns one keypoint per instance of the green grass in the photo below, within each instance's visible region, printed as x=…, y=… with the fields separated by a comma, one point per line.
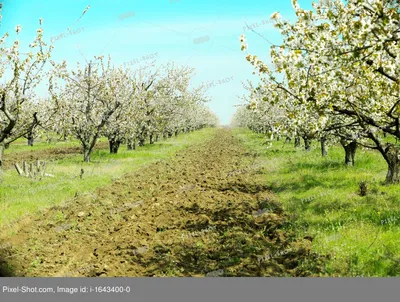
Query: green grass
x=20, y=145
x=20, y=196
x=322, y=196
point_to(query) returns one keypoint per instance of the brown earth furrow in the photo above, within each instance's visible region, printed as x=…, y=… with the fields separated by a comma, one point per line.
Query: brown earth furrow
x=203, y=212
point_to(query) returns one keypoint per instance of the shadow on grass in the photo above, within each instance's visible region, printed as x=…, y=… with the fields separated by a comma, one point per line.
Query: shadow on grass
x=307, y=183
x=282, y=151
x=5, y=268
x=318, y=166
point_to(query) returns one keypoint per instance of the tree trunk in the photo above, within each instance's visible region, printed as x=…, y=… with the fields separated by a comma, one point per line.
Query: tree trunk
x=169, y=134
x=151, y=139
x=393, y=161
x=307, y=144
x=141, y=142
x=157, y=137
x=131, y=145
x=88, y=146
x=2, y=147
x=30, y=139
x=114, y=145
x=288, y=139
x=176, y=133
x=297, y=142
x=278, y=138
x=324, y=148
x=86, y=154
x=350, y=152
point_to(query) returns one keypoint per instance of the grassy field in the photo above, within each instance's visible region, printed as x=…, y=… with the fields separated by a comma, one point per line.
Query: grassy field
x=362, y=234
x=20, y=196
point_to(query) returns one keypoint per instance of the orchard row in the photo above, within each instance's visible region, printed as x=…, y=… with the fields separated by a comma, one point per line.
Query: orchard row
x=94, y=100
x=335, y=78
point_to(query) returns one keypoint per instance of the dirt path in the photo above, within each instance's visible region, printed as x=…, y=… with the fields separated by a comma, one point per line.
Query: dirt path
x=201, y=213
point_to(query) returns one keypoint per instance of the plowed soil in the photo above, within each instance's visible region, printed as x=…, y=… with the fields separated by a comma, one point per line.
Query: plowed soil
x=202, y=213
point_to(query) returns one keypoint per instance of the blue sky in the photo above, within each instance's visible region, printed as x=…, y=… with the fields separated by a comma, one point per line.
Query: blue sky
x=202, y=34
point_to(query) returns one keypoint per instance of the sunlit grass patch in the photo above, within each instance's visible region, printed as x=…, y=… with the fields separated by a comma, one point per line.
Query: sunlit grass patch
x=322, y=195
